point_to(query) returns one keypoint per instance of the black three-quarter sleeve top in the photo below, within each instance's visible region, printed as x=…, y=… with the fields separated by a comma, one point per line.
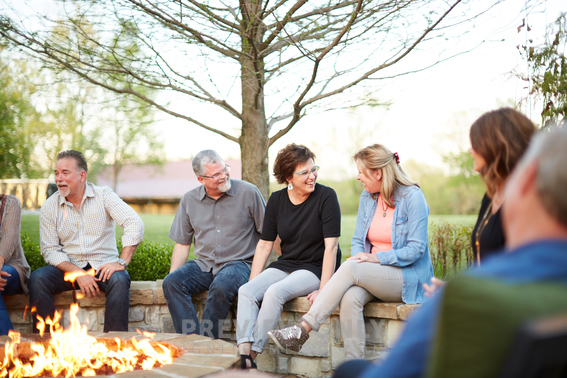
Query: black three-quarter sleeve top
x=302, y=228
x=491, y=238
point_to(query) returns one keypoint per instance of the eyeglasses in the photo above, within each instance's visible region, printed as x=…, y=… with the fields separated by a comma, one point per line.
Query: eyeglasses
x=306, y=173
x=216, y=176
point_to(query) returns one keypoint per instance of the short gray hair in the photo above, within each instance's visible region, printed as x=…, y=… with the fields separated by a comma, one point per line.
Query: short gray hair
x=203, y=158
x=80, y=160
x=549, y=149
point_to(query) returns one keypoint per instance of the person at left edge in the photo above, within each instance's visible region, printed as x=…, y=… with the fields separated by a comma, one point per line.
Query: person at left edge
x=77, y=233
x=223, y=217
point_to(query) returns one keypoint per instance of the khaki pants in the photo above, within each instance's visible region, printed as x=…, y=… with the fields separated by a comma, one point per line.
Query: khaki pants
x=354, y=285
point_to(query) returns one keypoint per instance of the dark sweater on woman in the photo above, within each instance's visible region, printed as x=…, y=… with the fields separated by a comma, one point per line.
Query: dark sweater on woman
x=302, y=228
x=491, y=238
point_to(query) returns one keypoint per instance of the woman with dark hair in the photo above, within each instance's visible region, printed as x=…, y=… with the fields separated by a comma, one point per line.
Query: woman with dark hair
x=498, y=140
x=14, y=269
x=390, y=254
x=306, y=218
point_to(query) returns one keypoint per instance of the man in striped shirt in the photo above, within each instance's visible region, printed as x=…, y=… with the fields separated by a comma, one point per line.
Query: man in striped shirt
x=77, y=234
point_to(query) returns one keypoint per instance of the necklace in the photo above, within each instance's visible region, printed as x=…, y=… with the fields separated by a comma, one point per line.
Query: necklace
x=483, y=223
x=386, y=207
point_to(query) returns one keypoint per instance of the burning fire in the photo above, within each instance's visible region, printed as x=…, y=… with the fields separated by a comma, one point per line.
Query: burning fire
x=72, y=352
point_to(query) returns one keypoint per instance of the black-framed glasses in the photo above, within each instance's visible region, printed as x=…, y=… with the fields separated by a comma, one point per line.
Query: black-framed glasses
x=306, y=173
x=216, y=176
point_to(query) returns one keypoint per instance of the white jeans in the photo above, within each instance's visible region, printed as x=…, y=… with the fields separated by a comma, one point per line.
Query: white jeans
x=354, y=285
x=273, y=288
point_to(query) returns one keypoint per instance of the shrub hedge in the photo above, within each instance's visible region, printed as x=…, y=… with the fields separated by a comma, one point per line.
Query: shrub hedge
x=449, y=245
x=450, y=248
x=150, y=262
x=32, y=252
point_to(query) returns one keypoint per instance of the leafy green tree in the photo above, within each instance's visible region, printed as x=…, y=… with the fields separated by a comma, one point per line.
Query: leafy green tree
x=464, y=183
x=261, y=65
x=133, y=138
x=68, y=124
x=548, y=68
x=18, y=121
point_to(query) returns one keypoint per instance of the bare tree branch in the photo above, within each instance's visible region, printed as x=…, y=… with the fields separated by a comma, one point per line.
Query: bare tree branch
x=297, y=107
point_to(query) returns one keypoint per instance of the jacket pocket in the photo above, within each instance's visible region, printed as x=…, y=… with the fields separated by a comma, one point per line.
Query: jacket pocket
x=402, y=226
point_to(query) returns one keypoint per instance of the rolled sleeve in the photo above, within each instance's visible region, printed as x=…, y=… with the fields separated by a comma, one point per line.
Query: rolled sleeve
x=126, y=217
x=359, y=237
x=417, y=240
x=51, y=249
x=9, y=239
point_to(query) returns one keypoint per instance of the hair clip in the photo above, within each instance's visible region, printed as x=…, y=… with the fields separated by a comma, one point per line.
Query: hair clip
x=397, y=157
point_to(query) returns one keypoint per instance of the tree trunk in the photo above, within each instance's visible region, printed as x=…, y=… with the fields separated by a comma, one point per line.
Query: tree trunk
x=254, y=136
x=116, y=167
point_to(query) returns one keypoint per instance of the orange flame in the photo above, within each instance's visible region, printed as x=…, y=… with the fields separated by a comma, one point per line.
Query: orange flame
x=72, y=276
x=73, y=352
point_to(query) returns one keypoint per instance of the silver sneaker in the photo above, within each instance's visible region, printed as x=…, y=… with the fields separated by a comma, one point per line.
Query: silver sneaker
x=290, y=339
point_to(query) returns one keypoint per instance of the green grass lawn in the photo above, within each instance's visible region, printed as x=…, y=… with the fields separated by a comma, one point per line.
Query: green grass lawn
x=157, y=227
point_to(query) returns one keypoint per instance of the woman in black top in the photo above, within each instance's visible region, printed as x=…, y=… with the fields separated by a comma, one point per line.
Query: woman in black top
x=498, y=140
x=305, y=217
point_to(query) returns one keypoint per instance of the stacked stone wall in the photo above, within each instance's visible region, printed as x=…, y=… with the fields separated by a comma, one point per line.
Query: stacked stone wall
x=322, y=353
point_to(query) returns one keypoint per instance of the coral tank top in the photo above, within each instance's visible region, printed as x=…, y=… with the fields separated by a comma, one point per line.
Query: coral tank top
x=380, y=231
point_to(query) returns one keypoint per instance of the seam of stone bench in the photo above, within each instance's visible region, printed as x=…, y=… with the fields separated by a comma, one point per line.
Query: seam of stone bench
x=151, y=293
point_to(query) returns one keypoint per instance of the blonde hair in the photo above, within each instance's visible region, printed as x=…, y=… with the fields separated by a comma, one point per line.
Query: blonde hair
x=378, y=157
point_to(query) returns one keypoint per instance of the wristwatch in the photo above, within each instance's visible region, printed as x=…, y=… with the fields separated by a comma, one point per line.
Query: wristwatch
x=122, y=262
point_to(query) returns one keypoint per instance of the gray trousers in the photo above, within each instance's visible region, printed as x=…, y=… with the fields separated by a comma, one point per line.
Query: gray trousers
x=354, y=285
x=273, y=288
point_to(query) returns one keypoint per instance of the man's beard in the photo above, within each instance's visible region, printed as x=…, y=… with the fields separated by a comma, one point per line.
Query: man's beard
x=225, y=186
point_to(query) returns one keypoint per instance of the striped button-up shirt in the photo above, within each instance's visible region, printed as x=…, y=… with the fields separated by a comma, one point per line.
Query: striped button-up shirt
x=87, y=236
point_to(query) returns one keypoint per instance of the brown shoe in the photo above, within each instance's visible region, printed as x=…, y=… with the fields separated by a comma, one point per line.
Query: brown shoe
x=290, y=339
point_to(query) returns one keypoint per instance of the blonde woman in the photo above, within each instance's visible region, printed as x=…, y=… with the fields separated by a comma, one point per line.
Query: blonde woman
x=389, y=254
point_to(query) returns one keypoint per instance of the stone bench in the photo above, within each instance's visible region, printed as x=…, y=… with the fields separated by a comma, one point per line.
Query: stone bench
x=322, y=353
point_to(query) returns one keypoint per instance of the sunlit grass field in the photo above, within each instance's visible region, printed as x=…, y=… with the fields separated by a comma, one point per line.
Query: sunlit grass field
x=157, y=227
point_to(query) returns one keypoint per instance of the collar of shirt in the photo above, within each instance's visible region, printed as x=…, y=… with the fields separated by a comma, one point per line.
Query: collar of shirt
x=203, y=192
x=88, y=193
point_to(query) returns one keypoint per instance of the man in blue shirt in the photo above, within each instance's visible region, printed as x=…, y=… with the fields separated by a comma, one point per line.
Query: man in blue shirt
x=535, y=223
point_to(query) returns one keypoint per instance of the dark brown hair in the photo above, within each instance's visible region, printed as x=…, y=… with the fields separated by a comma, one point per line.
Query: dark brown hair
x=501, y=137
x=288, y=158
x=79, y=158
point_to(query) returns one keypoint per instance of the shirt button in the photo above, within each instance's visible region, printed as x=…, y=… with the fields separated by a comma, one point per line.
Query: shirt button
x=218, y=230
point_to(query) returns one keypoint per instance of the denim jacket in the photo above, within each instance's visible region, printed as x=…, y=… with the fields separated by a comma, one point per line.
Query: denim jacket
x=409, y=239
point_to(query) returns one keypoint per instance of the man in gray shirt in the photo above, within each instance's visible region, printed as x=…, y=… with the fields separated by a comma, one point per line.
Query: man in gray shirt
x=223, y=218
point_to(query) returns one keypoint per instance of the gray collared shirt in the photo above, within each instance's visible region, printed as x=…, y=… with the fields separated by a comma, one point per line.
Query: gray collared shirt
x=87, y=236
x=223, y=230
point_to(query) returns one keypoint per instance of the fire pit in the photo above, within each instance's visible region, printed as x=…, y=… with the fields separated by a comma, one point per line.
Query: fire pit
x=76, y=352
x=196, y=355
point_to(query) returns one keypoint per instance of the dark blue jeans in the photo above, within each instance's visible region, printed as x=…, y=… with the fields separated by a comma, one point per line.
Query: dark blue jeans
x=351, y=369
x=13, y=286
x=188, y=280
x=47, y=281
